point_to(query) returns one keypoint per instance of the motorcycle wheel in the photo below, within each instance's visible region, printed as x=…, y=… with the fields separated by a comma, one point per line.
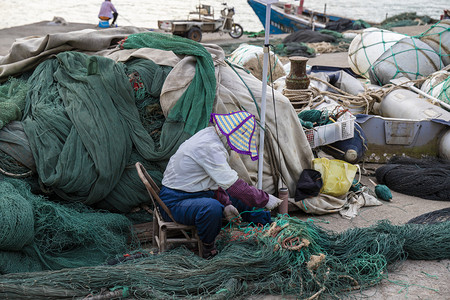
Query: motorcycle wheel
x=195, y=34
x=236, y=31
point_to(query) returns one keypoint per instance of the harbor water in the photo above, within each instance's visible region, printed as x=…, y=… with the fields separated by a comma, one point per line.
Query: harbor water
x=147, y=13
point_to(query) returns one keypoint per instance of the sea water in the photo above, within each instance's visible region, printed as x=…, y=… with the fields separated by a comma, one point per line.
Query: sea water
x=147, y=13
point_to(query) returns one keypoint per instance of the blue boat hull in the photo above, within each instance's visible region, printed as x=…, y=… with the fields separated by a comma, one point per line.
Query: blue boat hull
x=281, y=22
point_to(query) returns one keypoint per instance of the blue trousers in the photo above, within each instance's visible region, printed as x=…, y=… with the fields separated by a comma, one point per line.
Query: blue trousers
x=205, y=212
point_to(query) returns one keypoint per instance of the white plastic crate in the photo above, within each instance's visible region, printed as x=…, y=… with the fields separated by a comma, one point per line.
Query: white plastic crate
x=343, y=129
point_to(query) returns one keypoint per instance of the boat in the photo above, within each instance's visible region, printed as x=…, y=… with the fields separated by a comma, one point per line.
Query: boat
x=287, y=18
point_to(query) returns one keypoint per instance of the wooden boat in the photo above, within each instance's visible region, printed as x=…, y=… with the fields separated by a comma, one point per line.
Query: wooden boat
x=287, y=18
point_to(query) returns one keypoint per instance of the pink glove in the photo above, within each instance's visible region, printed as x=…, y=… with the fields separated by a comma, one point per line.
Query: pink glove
x=248, y=194
x=222, y=196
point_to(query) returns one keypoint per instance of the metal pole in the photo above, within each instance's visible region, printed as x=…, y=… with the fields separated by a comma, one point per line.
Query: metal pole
x=264, y=91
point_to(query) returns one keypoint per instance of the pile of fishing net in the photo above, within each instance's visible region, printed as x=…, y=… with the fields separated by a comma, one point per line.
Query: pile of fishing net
x=37, y=234
x=89, y=119
x=295, y=49
x=314, y=117
x=295, y=44
x=427, y=178
x=406, y=19
x=307, y=43
x=344, y=25
x=12, y=101
x=436, y=216
x=310, y=36
x=287, y=257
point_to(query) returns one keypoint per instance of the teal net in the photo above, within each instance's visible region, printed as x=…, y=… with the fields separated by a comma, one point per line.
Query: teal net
x=287, y=257
x=382, y=55
x=147, y=79
x=438, y=38
x=439, y=87
x=199, y=97
x=37, y=234
x=10, y=166
x=406, y=19
x=409, y=57
x=12, y=100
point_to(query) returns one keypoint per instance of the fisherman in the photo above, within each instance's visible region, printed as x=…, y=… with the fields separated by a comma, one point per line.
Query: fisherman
x=199, y=186
x=107, y=12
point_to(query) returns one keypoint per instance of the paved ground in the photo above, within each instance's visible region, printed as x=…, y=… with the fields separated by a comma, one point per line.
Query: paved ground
x=413, y=279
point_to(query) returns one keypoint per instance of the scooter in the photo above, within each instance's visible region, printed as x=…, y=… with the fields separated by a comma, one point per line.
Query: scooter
x=234, y=30
x=202, y=21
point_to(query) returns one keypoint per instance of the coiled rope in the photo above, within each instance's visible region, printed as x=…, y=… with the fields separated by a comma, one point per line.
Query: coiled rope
x=364, y=100
x=301, y=99
x=312, y=97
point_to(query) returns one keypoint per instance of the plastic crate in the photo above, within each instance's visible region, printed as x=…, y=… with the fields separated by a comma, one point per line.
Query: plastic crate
x=343, y=129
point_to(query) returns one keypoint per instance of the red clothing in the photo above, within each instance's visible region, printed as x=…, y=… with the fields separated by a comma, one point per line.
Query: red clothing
x=248, y=194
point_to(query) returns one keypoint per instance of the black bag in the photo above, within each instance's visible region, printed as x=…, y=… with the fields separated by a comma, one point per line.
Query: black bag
x=308, y=185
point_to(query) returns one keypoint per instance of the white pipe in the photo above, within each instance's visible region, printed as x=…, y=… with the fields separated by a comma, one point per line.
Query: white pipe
x=442, y=103
x=264, y=92
x=405, y=82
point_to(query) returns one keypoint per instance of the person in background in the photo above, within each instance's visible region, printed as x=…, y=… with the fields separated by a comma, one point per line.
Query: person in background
x=199, y=186
x=446, y=14
x=107, y=12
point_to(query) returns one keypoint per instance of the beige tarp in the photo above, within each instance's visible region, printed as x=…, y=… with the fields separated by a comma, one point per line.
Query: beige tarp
x=233, y=93
x=347, y=205
x=27, y=53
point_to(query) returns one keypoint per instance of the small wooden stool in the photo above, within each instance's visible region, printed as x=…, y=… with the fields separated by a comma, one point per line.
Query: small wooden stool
x=161, y=228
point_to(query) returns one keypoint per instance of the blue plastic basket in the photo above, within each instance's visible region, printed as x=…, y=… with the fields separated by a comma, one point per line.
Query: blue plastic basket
x=103, y=24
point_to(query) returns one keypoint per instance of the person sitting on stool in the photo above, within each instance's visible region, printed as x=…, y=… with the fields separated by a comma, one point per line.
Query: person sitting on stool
x=107, y=12
x=199, y=186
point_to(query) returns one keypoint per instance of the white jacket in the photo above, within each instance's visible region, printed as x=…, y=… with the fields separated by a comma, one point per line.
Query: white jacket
x=200, y=164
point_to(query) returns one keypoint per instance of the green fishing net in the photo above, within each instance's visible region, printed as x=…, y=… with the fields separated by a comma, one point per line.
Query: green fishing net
x=195, y=105
x=406, y=19
x=438, y=38
x=442, y=89
x=409, y=57
x=287, y=257
x=37, y=234
x=12, y=100
x=382, y=55
x=89, y=119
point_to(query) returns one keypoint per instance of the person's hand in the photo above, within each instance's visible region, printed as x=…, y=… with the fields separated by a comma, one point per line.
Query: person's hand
x=231, y=214
x=273, y=202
